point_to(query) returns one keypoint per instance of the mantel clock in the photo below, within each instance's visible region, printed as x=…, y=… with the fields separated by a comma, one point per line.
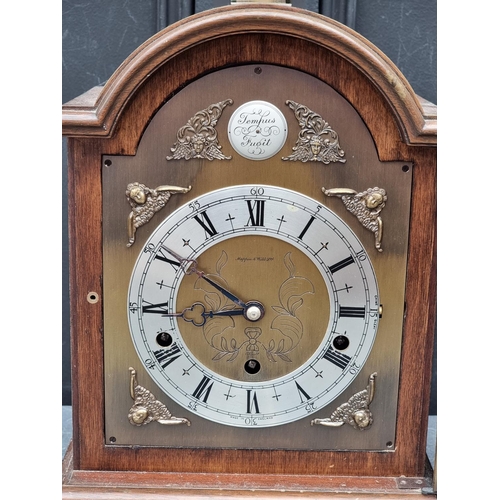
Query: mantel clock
x=252, y=263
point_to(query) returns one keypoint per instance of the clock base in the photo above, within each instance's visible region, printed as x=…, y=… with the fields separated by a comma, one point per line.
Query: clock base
x=130, y=485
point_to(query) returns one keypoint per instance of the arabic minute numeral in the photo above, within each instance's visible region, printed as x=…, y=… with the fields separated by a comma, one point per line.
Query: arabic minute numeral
x=354, y=369
x=361, y=255
x=257, y=191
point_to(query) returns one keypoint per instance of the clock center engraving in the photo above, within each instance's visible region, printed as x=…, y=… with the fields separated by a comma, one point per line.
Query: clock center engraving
x=280, y=329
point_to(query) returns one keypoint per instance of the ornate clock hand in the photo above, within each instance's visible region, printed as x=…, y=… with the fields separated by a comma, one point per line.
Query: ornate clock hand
x=198, y=315
x=194, y=270
x=252, y=310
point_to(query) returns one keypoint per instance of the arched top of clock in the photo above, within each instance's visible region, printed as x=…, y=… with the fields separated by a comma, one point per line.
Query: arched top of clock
x=187, y=49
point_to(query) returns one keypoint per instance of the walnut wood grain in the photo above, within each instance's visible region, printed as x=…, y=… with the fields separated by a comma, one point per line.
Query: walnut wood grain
x=123, y=485
x=111, y=120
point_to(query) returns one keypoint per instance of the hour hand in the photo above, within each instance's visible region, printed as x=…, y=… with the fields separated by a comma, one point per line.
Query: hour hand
x=198, y=315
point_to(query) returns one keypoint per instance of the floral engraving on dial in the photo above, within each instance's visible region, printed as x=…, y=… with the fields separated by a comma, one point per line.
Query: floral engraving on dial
x=286, y=322
x=147, y=408
x=215, y=327
x=145, y=202
x=317, y=141
x=355, y=412
x=366, y=206
x=198, y=138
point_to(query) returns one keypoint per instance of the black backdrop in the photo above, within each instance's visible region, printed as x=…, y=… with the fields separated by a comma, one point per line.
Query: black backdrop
x=98, y=35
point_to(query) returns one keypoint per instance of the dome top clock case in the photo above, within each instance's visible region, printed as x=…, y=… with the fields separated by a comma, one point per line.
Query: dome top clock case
x=252, y=222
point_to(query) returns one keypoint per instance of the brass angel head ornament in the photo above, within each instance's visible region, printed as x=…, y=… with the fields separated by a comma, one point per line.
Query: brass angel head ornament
x=317, y=141
x=198, y=138
x=145, y=202
x=366, y=206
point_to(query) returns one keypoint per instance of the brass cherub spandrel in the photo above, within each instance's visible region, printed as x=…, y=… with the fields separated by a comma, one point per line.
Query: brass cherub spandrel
x=366, y=206
x=147, y=408
x=198, y=138
x=317, y=141
x=145, y=202
x=355, y=412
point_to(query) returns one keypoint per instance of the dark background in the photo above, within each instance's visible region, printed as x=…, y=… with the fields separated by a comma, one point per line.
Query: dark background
x=98, y=35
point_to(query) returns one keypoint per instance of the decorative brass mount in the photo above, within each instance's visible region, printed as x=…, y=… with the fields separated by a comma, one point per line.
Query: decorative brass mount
x=366, y=206
x=317, y=141
x=198, y=138
x=355, y=412
x=147, y=408
x=145, y=202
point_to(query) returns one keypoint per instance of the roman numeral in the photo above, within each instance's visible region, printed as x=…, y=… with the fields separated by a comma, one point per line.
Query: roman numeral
x=203, y=389
x=256, y=213
x=206, y=224
x=161, y=308
x=302, y=393
x=162, y=256
x=341, y=264
x=308, y=225
x=252, y=403
x=167, y=356
x=337, y=358
x=352, y=312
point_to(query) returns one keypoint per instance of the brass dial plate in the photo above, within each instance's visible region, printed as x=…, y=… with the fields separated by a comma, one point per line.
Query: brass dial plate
x=361, y=170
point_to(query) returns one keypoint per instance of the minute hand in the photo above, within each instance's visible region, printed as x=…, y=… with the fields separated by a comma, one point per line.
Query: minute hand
x=193, y=269
x=222, y=290
x=252, y=310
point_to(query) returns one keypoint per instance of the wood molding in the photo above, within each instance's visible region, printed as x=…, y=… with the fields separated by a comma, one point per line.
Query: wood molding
x=96, y=113
x=123, y=485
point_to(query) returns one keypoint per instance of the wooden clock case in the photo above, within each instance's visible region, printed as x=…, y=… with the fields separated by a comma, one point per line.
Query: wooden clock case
x=110, y=120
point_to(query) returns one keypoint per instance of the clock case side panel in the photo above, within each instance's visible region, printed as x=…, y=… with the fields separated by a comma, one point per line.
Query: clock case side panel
x=86, y=267
x=420, y=307
x=85, y=241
